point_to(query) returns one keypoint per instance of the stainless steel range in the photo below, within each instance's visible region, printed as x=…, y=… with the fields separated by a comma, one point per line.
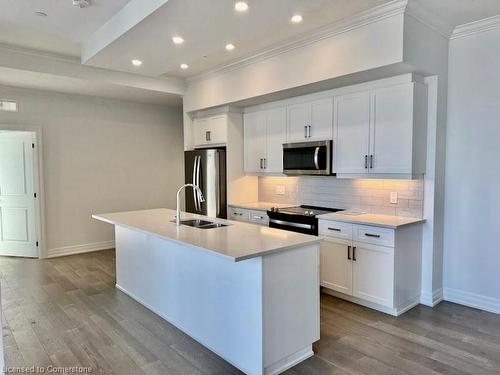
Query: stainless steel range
x=302, y=219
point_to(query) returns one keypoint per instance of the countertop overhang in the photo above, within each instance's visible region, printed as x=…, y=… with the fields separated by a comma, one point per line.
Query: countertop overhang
x=238, y=241
x=384, y=221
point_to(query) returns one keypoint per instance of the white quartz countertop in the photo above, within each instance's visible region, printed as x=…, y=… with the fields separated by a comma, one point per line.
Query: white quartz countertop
x=263, y=206
x=238, y=241
x=386, y=221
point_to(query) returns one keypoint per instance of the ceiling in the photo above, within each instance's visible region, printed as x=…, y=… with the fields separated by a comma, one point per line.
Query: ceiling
x=459, y=12
x=208, y=25
x=62, y=31
x=124, y=33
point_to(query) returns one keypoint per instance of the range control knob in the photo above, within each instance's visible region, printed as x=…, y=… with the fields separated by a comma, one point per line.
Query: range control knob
x=306, y=213
x=311, y=213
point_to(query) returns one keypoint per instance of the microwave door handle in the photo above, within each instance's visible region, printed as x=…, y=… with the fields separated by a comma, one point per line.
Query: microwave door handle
x=316, y=158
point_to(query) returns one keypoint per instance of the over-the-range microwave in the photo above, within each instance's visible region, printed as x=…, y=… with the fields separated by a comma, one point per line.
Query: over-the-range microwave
x=308, y=158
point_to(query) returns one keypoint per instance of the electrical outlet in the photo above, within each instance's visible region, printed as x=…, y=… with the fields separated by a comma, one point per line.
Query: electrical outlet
x=394, y=197
x=280, y=189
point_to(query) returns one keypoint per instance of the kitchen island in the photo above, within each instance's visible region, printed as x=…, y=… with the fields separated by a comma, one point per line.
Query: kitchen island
x=248, y=293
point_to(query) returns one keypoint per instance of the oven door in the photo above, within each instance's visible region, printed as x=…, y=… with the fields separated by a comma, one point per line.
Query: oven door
x=307, y=158
x=293, y=223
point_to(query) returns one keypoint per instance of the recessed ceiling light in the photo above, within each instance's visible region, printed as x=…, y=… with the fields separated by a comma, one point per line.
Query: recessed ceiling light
x=136, y=62
x=184, y=66
x=241, y=6
x=177, y=40
x=229, y=46
x=297, y=18
x=41, y=14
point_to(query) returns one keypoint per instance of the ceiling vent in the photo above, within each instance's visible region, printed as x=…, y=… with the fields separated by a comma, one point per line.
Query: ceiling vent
x=81, y=3
x=8, y=106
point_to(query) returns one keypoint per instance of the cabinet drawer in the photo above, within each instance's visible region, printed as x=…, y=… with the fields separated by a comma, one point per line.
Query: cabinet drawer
x=374, y=235
x=239, y=214
x=259, y=217
x=335, y=229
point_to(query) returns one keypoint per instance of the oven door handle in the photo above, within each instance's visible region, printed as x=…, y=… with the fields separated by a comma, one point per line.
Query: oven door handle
x=290, y=224
x=316, y=158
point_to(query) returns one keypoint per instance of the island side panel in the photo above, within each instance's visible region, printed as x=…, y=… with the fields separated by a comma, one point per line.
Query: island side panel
x=216, y=301
x=291, y=307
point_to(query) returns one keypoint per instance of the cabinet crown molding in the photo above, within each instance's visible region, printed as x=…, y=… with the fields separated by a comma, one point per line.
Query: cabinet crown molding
x=476, y=27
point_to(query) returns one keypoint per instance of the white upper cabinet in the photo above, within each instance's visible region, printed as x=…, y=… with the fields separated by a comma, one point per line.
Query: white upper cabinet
x=321, y=120
x=310, y=121
x=254, y=141
x=276, y=136
x=391, y=130
x=264, y=135
x=210, y=131
x=352, y=136
x=381, y=132
x=298, y=122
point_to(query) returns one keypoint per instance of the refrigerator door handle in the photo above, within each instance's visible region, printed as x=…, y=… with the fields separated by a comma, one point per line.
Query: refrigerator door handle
x=195, y=200
x=217, y=185
x=198, y=200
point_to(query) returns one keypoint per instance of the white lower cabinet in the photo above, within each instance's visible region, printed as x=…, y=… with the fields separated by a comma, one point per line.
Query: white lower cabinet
x=373, y=273
x=250, y=216
x=336, y=266
x=359, y=269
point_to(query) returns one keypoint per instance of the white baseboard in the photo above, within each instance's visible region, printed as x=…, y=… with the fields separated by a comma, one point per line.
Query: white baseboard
x=388, y=310
x=431, y=299
x=78, y=249
x=477, y=301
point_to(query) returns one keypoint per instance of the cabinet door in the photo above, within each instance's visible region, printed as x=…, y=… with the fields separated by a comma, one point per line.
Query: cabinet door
x=298, y=121
x=373, y=273
x=200, y=127
x=276, y=136
x=351, y=141
x=238, y=214
x=217, y=126
x=258, y=217
x=254, y=141
x=391, y=129
x=336, y=268
x=321, y=120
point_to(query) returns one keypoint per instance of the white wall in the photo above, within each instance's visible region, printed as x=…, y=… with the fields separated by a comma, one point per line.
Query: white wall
x=472, y=193
x=99, y=155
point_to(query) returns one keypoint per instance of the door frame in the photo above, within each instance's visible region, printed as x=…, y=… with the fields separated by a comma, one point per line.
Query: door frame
x=38, y=182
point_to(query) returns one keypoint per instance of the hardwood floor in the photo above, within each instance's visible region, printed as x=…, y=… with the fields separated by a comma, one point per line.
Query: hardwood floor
x=66, y=312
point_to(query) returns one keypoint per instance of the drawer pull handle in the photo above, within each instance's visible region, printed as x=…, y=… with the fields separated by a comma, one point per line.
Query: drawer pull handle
x=354, y=253
x=349, y=252
x=372, y=235
x=335, y=229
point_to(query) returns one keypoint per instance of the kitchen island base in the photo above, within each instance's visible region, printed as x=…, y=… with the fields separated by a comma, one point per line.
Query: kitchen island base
x=260, y=314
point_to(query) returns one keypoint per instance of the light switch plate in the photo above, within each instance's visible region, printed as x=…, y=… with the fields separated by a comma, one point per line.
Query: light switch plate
x=280, y=189
x=394, y=197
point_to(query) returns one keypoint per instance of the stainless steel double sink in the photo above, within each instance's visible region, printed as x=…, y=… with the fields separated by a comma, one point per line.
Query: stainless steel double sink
x=202, y=224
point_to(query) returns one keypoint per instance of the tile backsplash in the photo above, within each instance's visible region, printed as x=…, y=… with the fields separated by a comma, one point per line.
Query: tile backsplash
x=366, y=195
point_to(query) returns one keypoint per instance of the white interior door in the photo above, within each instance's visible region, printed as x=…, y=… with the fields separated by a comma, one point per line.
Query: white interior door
x=17, y=201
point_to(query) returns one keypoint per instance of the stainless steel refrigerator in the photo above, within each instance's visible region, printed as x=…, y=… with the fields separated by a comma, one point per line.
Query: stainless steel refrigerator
x=206, y=169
